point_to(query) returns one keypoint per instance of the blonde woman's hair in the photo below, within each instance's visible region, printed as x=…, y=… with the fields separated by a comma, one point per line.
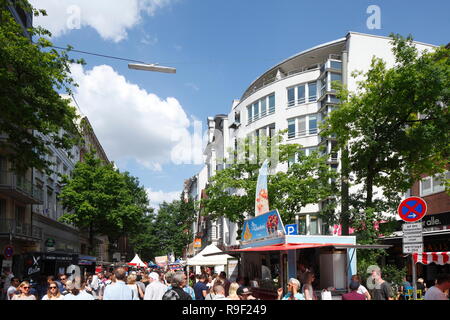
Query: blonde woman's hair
x=131, y=279
x=49, y=290
x=233, y=289
x=23, y=283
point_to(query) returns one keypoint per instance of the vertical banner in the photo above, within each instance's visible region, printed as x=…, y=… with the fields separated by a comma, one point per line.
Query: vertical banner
x=262, y=194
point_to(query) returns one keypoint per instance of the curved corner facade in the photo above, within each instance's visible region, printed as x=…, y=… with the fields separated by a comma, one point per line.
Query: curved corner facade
x=296, y=95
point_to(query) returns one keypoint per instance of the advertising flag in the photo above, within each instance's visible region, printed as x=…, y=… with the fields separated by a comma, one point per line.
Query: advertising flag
x=262, y=194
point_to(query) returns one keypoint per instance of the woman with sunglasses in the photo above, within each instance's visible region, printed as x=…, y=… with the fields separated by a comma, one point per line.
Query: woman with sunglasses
x=53, y=292
x=25, y=294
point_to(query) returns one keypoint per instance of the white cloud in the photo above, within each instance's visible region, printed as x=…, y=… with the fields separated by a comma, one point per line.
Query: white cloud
x=131, y=123
x=158, y=197
x=192, y=85
x=110, y=18
x=149, y=40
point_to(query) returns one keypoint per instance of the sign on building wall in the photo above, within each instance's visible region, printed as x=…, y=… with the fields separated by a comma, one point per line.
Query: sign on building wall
x=263, y=227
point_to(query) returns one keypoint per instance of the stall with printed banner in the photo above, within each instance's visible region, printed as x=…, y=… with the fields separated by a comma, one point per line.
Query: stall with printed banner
x=269, y=258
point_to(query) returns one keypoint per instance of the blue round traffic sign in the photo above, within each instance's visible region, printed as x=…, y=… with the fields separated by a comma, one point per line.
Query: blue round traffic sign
x=412, y=209
x=9, y=252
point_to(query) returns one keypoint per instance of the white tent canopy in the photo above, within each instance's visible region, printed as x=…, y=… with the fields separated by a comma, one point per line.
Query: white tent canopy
x=137, y=262
x=216, y=260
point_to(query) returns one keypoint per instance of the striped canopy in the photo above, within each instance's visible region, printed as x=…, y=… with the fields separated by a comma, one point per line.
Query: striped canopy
x=430, y=257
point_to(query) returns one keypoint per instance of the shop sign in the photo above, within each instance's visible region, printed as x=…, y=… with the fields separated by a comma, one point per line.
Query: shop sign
x=7, y=264
x=412, y=237
x=198, y=243
x=50, y=243
x=35, y=265
x=263, y=227
x=161, y=261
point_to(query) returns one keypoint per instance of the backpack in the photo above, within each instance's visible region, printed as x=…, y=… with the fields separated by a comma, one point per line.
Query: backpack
x=176, y=294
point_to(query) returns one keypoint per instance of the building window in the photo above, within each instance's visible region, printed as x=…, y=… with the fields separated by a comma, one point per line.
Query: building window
x=301, y=94
x=313, y=124
x=312, y=91
x=291, y=97
x=291, y=128
x=271, y=104
x=250, y=113
x=434, y=184
x=256, y=110
x=263, y=107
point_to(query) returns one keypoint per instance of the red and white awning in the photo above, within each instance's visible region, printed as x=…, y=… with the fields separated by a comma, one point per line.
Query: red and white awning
x=430, y=257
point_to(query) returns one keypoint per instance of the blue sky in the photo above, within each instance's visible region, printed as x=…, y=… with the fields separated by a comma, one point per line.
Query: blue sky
x=218, y=48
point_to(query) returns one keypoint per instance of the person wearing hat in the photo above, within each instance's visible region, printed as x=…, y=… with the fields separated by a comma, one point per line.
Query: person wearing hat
x=353, y=294
x=244, y=293
x=156, y=289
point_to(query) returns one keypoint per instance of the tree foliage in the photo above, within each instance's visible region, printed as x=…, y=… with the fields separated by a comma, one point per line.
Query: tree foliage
x=31, y=75
x=102, y=200
x=168, y=230
x=396, y=128
x=231, y=191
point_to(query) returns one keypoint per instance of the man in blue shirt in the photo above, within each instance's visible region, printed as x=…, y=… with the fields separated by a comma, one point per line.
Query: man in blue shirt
x=118, y=290
x=200, y=288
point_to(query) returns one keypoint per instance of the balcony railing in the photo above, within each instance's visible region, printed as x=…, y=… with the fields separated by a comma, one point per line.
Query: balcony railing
x=17, y=229
x=19, y=188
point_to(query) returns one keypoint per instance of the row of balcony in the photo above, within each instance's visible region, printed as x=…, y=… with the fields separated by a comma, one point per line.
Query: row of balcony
x=20, y=188
x=17, y=229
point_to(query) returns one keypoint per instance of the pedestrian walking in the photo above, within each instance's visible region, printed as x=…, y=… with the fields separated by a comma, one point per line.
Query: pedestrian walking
x=232, y=295
x=244, y=293
x=179, y=280
x=13, y=288
x=307, y=289
x=137, y=292
x=293, y=291
x=118, y=290
x=200, y=288
x=53, y=292
x=219, y=292
x=225, y=281
x=353, y=294
x=438, y=291
x=383, y=289
x=24, y=294
x=77, y=290
x=156, y=289
x=361, y=290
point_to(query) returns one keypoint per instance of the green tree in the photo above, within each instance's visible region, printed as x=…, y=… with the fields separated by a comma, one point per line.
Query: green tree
x=31, y=75
x=101, y=200
x=231, y=191
x=168, y=230
x=396, y=128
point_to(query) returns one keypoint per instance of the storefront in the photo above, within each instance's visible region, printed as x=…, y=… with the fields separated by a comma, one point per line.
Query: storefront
x=269, y=257
x=40, y=264
x=436, y=238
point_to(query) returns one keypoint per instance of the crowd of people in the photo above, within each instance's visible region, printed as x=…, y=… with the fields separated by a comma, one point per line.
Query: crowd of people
x=154, y=284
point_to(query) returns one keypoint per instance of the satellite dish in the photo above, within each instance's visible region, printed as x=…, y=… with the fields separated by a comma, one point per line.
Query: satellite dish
x=370, y=283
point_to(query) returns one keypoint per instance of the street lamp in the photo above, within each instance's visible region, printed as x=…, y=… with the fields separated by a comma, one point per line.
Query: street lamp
x=151, y=67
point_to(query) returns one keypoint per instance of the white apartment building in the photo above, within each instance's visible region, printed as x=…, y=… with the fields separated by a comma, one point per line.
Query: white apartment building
x=296, y=95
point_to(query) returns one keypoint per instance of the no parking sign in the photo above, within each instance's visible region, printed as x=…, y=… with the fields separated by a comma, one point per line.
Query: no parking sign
x=412, y=209
x=8, y=252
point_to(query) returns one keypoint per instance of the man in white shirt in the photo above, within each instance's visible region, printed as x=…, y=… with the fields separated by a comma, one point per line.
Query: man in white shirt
x=437, y=292
x=119, y=290
x=156, y=289
x=12, y=288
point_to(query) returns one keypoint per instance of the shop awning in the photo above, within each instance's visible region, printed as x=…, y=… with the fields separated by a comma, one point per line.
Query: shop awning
x=430, y=257
x=289, y=246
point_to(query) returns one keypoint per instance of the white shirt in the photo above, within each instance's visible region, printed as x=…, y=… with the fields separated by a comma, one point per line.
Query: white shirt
x=10, y=292
x=434, y=293
x=61, y=297
x=134, y=288
x=155, y=291
x=362, y=290
x=83, y=295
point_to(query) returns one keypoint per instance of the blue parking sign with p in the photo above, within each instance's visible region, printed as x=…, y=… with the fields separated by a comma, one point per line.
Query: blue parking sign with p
x=291, y=229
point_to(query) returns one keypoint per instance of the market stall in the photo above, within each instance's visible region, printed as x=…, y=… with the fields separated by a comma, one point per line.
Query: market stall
x=440, y=258
x=204, y=258
x=269, y=257
x=137, y=262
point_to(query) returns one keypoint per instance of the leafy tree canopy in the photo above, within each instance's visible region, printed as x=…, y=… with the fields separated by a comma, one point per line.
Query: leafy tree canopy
x=31, y=75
